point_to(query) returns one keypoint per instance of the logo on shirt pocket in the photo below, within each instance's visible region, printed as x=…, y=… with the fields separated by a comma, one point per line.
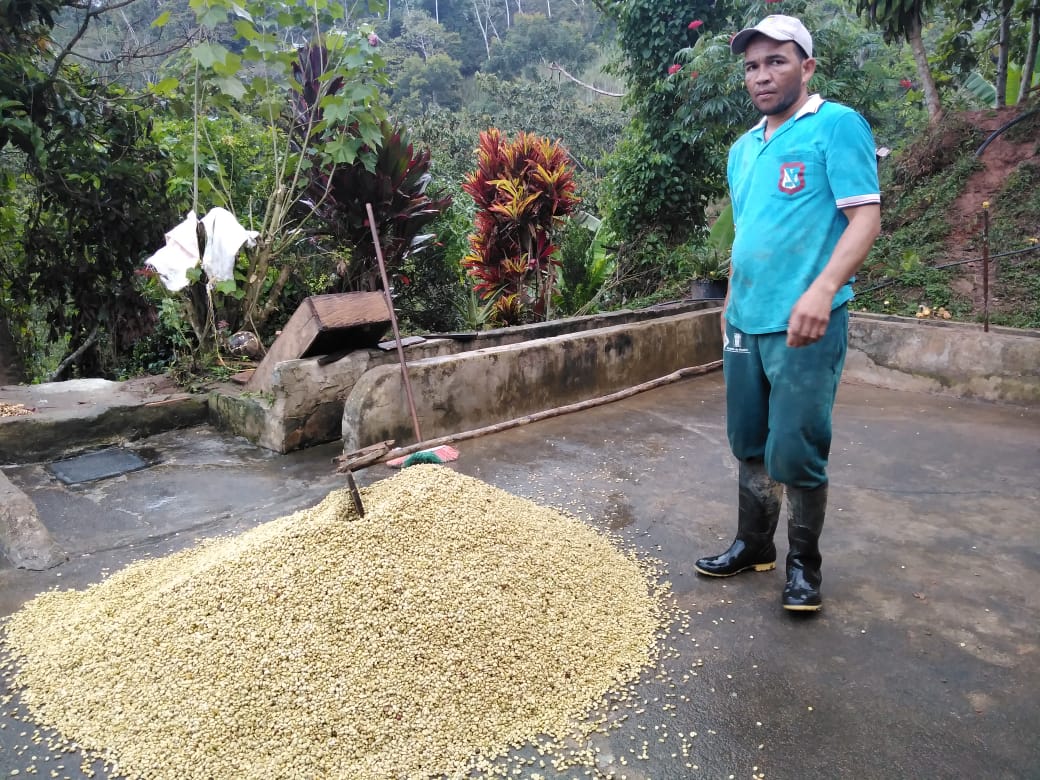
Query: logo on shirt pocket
x=792, y=177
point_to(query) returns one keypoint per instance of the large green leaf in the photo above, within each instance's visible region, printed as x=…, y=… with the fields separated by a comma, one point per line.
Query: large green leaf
x=230, y=86
x=986, y=92
x=722, y=232
x=209, y=54
x=982, y=89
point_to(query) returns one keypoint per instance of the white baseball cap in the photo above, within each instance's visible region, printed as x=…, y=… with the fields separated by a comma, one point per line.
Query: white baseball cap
x=779, y=28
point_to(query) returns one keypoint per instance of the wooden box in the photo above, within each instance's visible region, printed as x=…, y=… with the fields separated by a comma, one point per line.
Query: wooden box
x=326, y=325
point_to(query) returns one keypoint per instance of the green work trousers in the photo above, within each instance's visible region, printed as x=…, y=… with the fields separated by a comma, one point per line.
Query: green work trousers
x=779, y=399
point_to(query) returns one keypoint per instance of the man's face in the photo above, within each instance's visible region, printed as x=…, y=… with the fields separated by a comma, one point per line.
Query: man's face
x=775, y=76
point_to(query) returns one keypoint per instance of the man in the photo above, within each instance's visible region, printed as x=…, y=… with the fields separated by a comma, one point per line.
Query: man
x=806, y=205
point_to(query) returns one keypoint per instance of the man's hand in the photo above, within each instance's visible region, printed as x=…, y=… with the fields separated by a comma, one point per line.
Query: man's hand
x=809, y=317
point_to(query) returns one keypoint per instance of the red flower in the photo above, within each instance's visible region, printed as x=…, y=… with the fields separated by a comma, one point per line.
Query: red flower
x=695, y=74
x=906, y=83
x=373, y=39
x=673, y=69
x=695, y=24
x=405, y=280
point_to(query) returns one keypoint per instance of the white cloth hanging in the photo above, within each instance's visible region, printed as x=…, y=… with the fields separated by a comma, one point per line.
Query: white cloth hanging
x=180, y=253
x=224, y=237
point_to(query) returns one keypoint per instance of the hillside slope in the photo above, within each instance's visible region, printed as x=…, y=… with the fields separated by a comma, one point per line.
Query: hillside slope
x=928, y=259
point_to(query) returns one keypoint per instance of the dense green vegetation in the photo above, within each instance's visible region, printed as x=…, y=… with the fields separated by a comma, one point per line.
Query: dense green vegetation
x=117, y=120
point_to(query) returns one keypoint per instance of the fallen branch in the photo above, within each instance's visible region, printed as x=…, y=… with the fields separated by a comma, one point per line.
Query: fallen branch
x=53, y=377
x=682, y=373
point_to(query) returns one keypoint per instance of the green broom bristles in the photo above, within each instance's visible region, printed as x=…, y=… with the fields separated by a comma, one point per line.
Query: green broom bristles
x=423, y=456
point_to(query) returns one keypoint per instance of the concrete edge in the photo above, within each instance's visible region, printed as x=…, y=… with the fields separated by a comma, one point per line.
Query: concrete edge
x=930, y=356
x=35, y=438
x=945, y=358
x=926, y=322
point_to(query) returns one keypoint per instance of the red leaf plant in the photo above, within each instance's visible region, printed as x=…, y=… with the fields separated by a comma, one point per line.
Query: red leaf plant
x=523, y=190
x=396, y=183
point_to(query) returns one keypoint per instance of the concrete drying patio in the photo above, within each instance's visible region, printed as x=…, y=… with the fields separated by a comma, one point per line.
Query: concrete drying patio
x=924, y=663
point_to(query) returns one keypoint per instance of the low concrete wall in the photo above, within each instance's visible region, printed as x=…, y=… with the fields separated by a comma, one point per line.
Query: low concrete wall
x=933, y=356
x=469, y=380
x=481, y=387
x=305, y=404
x=84, y=413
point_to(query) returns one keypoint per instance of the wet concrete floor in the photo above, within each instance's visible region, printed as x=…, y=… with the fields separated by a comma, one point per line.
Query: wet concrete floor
x=925, y=662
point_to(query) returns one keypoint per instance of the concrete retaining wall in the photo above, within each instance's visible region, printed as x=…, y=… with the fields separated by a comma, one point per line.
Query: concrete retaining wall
x=481, y=387
x=471, y=380
x=946, y=358
x=305, y=404
x=85, y=413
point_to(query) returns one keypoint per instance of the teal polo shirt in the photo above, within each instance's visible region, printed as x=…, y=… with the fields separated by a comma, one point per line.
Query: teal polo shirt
x=788, y=194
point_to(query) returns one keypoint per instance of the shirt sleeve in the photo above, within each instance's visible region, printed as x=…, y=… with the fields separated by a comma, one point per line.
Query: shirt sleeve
x=852, y=162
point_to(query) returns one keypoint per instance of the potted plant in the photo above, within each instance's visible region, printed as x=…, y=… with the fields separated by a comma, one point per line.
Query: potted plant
x=710, y=262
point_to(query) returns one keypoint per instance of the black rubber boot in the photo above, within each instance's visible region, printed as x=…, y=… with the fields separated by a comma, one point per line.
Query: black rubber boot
x=804, y=524
x=758, y=510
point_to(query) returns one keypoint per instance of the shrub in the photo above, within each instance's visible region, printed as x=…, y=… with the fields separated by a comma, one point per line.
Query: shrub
x=522, y=189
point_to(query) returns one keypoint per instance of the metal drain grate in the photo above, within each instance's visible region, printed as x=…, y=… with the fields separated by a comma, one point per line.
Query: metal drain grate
x=97, y=465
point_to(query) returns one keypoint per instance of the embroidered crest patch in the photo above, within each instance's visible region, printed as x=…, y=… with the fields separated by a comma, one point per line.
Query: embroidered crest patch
x=792, y=177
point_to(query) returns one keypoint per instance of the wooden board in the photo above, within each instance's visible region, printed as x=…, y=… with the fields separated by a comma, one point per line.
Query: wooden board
x=325, y=324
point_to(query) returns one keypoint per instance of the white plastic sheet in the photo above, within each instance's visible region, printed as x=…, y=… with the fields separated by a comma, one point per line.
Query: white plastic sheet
x=224, y=237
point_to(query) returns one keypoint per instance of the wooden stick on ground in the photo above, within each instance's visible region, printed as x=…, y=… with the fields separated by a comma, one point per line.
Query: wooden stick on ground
x=675, y=376
x=366, y=456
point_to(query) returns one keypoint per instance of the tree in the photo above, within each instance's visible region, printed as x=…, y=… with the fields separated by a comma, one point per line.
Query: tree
x=1032, y=13
x=333, y=117
x=535, y=41
x=86, y=197
x=432, y=82
x=664, y=171
x=422, y=35
x=905, y=19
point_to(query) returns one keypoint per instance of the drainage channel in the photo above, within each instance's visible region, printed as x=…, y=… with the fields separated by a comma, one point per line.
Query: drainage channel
x=98, y=465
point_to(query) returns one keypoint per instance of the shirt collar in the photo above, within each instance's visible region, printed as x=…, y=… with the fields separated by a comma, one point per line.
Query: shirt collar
x=811, y=106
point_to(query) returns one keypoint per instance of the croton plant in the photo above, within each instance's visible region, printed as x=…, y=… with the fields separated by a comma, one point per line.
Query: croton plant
x=523, y=190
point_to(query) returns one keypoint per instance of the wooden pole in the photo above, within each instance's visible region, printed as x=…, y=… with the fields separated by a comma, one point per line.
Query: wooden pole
x=393, y=321
x=985, y=266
